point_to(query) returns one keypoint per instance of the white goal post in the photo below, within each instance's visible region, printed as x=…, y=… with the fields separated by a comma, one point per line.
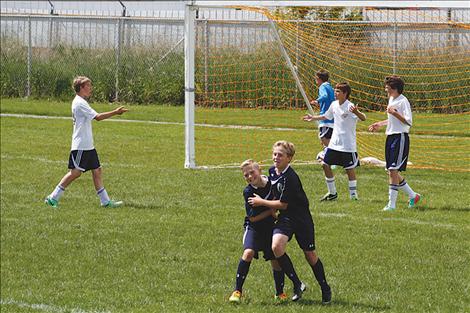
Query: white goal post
x=191, y=7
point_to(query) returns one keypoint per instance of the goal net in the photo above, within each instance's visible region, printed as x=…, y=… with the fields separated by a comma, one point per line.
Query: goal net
x=254, y=70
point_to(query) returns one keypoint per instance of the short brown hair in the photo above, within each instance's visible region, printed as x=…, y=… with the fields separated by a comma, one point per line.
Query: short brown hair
x=249, y=162
x=324, y=75
x=79, y=81
x=344, y=87
x=395, y=82
x=288, y=147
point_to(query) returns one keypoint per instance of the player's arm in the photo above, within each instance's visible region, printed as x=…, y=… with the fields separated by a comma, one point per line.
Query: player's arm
x=105, y=115
x=272, y=204
x=261, y=216
x=377, y=125
x=354, y=109
x=310, y=117
x=394, y=112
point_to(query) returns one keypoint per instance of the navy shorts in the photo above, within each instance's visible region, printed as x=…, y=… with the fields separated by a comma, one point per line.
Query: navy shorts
x=259, y=240
x=84, y=160
x=348, y=160
x=397, y=147
x=325, y=132
x=304, y=232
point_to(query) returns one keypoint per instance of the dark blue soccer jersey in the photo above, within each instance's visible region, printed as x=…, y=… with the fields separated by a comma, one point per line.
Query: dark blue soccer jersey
x=265, y=193
x=287, y=188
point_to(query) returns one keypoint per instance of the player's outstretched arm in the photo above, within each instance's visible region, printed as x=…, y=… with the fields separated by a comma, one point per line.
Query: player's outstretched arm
x=377, y=125
x=310, y=117
x=105, y=115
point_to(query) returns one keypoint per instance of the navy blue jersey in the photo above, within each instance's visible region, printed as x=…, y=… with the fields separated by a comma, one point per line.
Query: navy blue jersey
x=265, y=193
x=287, y=188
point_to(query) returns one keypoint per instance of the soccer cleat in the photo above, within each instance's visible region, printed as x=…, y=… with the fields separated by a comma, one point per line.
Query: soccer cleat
x=281, y=298
x=388, y=208
x=329, y=197
x=235, y=297
x=298, y=292
x=326, y=295
x=51, y=202
x=113, y=204
x=354, y=197
x=413, y=201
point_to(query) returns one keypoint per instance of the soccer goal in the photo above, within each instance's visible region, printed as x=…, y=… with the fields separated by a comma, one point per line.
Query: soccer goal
x=250, y=66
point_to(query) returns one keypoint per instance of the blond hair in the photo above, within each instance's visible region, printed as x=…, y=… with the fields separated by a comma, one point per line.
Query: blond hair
x=287, y=146
x=79, y=81
x=251, y=163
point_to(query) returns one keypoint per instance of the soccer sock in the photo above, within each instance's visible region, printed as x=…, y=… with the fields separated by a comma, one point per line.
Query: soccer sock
x=104, y=198
x=278, y=281
x=352, y=188
x=392, y=195
x=57, y=193
x=405, y=187
x=242, y=271
x=319, y=273
x=330, y=183
x=288, y=268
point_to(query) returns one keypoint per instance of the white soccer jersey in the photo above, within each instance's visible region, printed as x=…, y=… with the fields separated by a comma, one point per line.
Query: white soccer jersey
x=82, y=114
x=394, y=125
x=344, y=129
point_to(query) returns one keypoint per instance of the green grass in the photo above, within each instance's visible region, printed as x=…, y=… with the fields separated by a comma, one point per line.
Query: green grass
x=175, y=246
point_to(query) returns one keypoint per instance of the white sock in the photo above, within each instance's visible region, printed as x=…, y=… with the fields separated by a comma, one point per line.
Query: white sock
x=57, y=193
x=405, y=187
x=392, y=195
x=104, y=198
x=352, y=188
x=330, y=183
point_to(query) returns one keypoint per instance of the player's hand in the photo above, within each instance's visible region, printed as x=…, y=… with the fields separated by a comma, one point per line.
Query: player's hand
x=314, y=102
x=120, y=110
x=353, y=109
x=308, y=117
x=374, y=127
x=392, y=111
x=255, y=201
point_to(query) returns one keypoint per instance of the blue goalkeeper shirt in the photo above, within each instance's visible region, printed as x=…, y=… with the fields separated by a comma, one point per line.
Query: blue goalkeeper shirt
x=326, y=95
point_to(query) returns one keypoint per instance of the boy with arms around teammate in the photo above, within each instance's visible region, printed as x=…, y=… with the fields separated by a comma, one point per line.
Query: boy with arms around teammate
x=294, y=219
x=397, y=145
x=342, y=147
x=83, y=156
x=259, y=223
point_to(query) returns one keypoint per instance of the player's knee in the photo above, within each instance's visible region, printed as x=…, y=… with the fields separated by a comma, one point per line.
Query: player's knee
x=311, y=257
x=278, y=249
x=75, y=173
x=248, y=255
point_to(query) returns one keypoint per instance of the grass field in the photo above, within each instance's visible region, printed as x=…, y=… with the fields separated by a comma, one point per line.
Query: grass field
x=175, y=246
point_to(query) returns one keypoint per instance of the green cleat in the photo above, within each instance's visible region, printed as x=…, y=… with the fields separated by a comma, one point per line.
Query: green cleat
x=235, y=297
x=413, y=201
x=113, y=204
x=51, y=202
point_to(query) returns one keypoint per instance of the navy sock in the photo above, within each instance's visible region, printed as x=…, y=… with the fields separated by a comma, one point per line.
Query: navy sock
x=278, y=281
x=242, y=272
x=288, y=268
x=319, y=273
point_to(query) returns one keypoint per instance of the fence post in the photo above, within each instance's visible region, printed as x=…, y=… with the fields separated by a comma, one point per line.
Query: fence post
x=118, y=59
x=206, y=59
x=395, y=42
x=30, y=58
x=297, y=62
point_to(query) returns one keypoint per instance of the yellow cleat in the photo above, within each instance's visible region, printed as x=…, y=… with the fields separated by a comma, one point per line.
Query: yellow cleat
x=235, y=297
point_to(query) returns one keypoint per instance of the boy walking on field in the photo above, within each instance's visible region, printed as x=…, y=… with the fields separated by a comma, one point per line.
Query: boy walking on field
x=83, y=156
x=397, y=144
x=259, y=223
x=342, y=147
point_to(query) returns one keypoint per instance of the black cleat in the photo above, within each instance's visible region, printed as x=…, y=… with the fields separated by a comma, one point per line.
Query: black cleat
x=329, y=197
x=298, y=292
x=326, y=295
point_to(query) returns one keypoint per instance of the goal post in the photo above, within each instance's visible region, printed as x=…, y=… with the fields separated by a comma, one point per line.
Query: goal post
x=249, y=74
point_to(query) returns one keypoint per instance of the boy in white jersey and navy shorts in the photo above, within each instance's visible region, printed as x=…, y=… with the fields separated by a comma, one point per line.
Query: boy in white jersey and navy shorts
x=397, y=144
x=83, y=156
x=342, y=147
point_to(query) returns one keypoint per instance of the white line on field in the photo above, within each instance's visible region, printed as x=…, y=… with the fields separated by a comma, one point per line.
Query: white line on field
x=47, y=307
x=242, y=127
x=397, y=219
x=44, y=160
